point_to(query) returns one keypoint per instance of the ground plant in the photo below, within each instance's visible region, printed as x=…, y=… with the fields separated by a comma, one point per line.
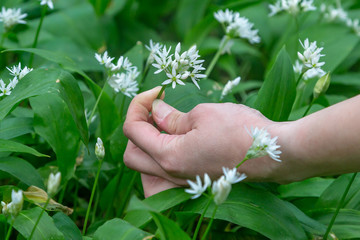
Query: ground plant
x=69, y=70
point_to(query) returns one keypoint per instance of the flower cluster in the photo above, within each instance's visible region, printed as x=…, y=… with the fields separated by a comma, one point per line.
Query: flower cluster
x=11, y=16
x=262, y=145
x=18, y=74
x=291, y=6
x=49, y=3
x=122, y=75
x=310, y=58
x=184, y=65
x=236, y=26
x=220, y=188
x=153, y=49
x=229, y=86
x=14, y=207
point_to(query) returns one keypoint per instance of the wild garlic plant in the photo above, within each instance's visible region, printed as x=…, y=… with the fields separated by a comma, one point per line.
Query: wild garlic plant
x=18, y=73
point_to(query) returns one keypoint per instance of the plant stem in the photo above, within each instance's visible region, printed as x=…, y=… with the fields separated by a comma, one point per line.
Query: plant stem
x=92, y=196
x=309, y=107
x=43, y=12
x=244, y=160
x=300, y=77
x=339, y=206
x=216, y=57
x=201, y=219
x=145, y=72
x=96, y=203
x=210, y=223
x=161, y=91
x=38, y=219
x=122, y=106
x=9, y=230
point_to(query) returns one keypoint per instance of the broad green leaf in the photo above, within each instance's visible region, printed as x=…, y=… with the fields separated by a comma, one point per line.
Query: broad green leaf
x=168, y=229
x=14, y=127
x=42, y=81
x=118, y=229
x=45, y=230
x=22, y=170
x=11, y=146
x=54, y=123
x=138, y=214
x=277, y=95
x=312, y=187
x=67, y=226
x=100, y=6
x=255, y=209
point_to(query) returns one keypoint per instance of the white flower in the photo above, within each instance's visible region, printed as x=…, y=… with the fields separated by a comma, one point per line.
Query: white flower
x=196, y=188
x=354, y=24
x=17, y=72
x=125, y=83
x=47, y=2
x=335, y=13
x=274, y=9
x=307, y=5
x=174, y=78
x=241, y=27
x=162, y=59
x=298, y=67
x=5, y=90
x=229, y=86
x=262, y=145
x=11, y=17
x=195, y=75
x=153, y=48
x=14, y=207
x=105, y=60
x=118, y=65
x=53, y=183
x=291, y=6
x=221, y=190
x=232, y=175
x=4, y=209
x=224, y=17
x=310, y=59
x=314, y=72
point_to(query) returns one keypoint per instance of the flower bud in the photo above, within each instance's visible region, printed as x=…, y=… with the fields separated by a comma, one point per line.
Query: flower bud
x=321, y=85
x=99, y=149
x=14, y=207
x=221, y=190
x=53, y=183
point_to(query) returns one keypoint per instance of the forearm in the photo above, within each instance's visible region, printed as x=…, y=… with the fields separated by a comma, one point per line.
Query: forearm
x=326, y=142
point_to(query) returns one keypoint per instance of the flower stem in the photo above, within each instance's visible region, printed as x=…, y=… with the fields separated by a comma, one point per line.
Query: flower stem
x=244, y=160
x=210, y=223
x=145, y=72
x=216, y=57
x=96, y=104
x=38, y=219
x=43, y=12
x=339, y=206
x=309, y=107
x=300, y=77
x=161, y=91
x=201, y=219
x=9, y=230
x=92, y=196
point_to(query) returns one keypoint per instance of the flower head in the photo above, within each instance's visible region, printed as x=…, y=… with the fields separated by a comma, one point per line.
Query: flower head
x=197, y=188
x=153, y=48
x=99, y=149
x=262, y=145
x=291, y=6
x=49, y=3
x=5, y=90
x=229, y=86
x=11, y=17
x=53, y=183
x=14, y=207
x=232, y=175
x=104, y=59
x=18, y=72
x=221, y=190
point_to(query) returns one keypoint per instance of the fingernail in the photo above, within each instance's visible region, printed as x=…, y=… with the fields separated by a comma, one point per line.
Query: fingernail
x=160, y=109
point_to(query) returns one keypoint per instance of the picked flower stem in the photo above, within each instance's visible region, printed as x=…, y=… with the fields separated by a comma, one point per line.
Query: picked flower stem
x=210, y=223
x=38, y=219
x=161, y=92
x=43, y=12
x=341, y=203
x=217, y=56
x=244, y=160
x=201, y=218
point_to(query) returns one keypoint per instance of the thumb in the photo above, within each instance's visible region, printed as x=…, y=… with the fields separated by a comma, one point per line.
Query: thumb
x=170, y=119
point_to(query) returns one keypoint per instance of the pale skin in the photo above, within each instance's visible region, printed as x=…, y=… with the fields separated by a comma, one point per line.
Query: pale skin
x=213, y=135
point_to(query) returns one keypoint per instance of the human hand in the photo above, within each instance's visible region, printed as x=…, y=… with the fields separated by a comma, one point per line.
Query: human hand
x=209, y=137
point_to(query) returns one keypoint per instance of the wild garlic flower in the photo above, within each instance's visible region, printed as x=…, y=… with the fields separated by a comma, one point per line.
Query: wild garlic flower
x=49, y=3
x=229, y=86
x=53, y=183
x=14, y=207
x=236, y=26
x=354, y=25
x=153, y=48
x=11, y=17
x=197, y=188
x=332, y=13
x=99, y=149
x=291, y=6
x=122, y=75
x=310, y=59
x=221, y=190
x=18, y=72
x=232, y=175
x=262, y=145
x=183, y=66
x=5, y=89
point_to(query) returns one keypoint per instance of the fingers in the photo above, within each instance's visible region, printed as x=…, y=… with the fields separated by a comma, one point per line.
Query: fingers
x=153, y=184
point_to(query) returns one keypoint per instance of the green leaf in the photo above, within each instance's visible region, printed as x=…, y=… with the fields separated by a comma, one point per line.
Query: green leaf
x=67, y=226
x=100, y=6
x=277, y=95
x=255, y=209
x=42, y=81
x=22, y=170
x=14, y=127
x=11, y=146
x=138, y=214
x=54, y=123
x=24, y=223
x=312, y=187
x=168, y=229
x=117, y=229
